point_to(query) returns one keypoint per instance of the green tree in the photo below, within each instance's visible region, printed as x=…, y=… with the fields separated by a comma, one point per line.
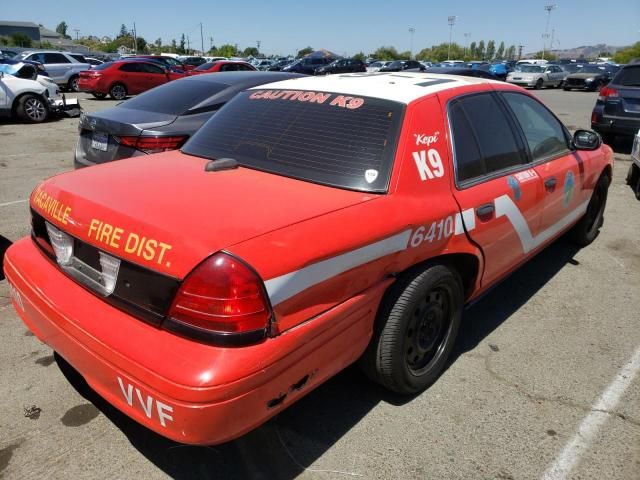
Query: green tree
x=480, y=50
x=226, y=50
x=473, y=50
x=181, y=48
x=442, y=51
x=123, y=31
x=62, y=28
x=628, y=54
x=491, y=50
x=360, y=56
x=141, y=44
x=304, y=52
x=424, y=54
x=19, y=39
x=500, y=52
x=511, y=53
x=547, y=55
x=386, y=53
x=174, y=46
x=250, y=52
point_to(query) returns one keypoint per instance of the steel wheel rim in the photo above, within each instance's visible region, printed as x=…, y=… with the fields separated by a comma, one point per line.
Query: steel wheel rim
x=74, y=84
x=428, y=329
x=118, y=92
x=35, y=109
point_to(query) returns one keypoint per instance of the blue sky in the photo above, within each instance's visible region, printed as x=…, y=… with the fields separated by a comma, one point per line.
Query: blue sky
x=344, y=26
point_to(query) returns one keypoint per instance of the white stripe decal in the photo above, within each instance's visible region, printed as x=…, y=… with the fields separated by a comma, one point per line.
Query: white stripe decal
x=506, y=207
x=286, y=286
x=465, y=219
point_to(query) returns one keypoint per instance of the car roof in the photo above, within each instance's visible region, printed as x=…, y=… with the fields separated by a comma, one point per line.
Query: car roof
x=242, y=79
x=403, y=87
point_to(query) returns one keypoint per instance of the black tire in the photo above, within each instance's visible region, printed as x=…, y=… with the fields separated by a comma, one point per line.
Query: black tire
x=636, y=189
x=566, y=89
x=561, y=84
x=608, y=138
x=588, y=227
x=32, y=109
x=416, y=328
x=99, y=96
x=538, y=84
x=72, y=84
x=633, y=175
x=118, y=91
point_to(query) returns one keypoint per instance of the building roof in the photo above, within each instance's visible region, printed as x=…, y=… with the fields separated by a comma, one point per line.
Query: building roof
x=403, y=87
x=5, y=23
x=45, y=32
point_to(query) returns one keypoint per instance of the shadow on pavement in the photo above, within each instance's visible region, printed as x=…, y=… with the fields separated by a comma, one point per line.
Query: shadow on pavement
x=287, y=445
x=622, y=144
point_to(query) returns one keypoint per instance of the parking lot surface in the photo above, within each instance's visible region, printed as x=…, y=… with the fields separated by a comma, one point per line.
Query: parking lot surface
x=543, y=381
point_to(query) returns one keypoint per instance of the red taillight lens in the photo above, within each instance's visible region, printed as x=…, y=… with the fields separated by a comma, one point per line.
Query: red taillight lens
x=222, y=296
x=152, y=144
x=606, y=92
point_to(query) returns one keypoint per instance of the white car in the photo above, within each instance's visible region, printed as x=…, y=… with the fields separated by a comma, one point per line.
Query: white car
x=31, y=97
x=63, y=68
x=537, y=76
x=376, y=66
x=633, y=177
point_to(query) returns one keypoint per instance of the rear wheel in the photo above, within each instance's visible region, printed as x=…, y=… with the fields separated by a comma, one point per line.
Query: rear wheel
x=32, y=109
x=118, y=91
x=565, y=88
x=538, y=84
x=415, y=331
x=587, y=229
x=72, y=84
x=99, y=96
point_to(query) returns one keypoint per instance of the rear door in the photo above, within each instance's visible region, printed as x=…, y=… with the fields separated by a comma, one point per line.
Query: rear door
x=560, y=169
x=134, y=77
x=155, y=75
x=496, y=187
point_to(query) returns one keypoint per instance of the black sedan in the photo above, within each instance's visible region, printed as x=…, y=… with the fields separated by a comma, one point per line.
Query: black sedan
x=403, y=66
x=617, y=110
x=466, y=72
x=344, y=65
x=590, y=77
x=162, y=118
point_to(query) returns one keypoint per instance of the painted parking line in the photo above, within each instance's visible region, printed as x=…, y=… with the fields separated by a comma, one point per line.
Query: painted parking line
x=589, y=427
x=15, y=202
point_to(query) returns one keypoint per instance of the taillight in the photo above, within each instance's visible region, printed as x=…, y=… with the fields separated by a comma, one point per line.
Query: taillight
x=607, y=92
x=150, y=144
x=222, y=300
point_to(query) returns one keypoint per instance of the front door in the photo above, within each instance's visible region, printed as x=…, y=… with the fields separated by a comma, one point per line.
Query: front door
x=498, y=191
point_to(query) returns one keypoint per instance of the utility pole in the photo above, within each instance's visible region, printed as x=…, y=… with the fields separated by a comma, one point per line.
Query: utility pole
x=258, y=44
x=201, y=39
x=548, y=8
x=520, y=47
x=210, y=43
x=135, y=39
x=466, y=42
x=76, y=30
x=411, y=32
x=188, y=46
x=451, y=20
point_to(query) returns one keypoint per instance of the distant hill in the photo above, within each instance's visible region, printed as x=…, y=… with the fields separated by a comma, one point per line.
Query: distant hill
x=591, y=51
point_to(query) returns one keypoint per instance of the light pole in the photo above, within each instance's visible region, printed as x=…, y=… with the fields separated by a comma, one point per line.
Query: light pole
x=451, y=20
x=411, y=32
x=258, y=42
x=466, y=42
x=549, y=7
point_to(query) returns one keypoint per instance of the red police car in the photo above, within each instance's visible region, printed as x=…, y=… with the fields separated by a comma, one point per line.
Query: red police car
x=125, y=77
x=309, y=224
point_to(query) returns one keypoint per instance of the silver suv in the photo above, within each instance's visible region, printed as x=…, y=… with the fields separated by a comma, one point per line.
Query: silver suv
x=63, y=68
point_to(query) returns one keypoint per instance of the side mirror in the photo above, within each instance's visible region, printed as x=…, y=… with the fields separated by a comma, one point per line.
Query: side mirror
x=586, y=140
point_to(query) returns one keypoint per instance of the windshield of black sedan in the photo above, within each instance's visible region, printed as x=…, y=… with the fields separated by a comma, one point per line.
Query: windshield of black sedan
x=333, y=139
x=593, y=69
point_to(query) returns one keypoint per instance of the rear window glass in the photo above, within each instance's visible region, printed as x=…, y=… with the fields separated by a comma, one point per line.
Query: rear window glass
x=102, y=66
x=628, y=77
x=174, y=98
x=327, y=138
x=206, y=66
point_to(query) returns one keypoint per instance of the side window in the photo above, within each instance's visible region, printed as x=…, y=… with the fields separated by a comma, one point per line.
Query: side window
x=484, y=140
x=149, y=68
x=131, y=67
x=36, y=57
x=544, y=133
x=244, y=68
x=55, y=58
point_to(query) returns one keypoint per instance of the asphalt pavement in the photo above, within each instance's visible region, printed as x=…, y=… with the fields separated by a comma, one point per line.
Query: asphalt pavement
x=542, y=384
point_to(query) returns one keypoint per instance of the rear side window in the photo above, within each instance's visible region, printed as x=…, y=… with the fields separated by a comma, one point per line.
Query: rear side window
x=325, y=138
x=544, y=133
x=174, y=98
x=79, y=58
x=628, y=77
x=484, y=140
x=55, y=58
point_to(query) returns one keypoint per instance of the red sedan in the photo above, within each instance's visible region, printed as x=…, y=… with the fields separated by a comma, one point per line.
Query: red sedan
x=309, y=223
x=222, y=66
x=125, y=77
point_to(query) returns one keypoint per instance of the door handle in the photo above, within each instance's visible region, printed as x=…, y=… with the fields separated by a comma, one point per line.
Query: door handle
x=485, y=212
x=550, y=184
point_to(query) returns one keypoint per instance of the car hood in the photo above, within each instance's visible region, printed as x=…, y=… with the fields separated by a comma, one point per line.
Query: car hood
x=166, y=213
x=583, y=76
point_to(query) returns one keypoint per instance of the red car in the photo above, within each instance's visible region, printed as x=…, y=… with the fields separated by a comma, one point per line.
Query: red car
x=125, y=77
x=222, y=66
x=308, y=224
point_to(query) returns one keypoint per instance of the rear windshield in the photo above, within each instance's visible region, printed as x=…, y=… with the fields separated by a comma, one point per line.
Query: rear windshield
x=174, y=98
x=206, y=66
x=628, y=77
x=102, y=66
x=327, y=138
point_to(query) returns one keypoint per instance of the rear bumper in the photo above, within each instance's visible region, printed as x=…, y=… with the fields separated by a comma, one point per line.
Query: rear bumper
x=616, y=125
x=185, y=391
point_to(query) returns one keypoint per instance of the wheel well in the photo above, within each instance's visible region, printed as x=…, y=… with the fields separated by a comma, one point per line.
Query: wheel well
x=466, y=264
x=608, y=172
